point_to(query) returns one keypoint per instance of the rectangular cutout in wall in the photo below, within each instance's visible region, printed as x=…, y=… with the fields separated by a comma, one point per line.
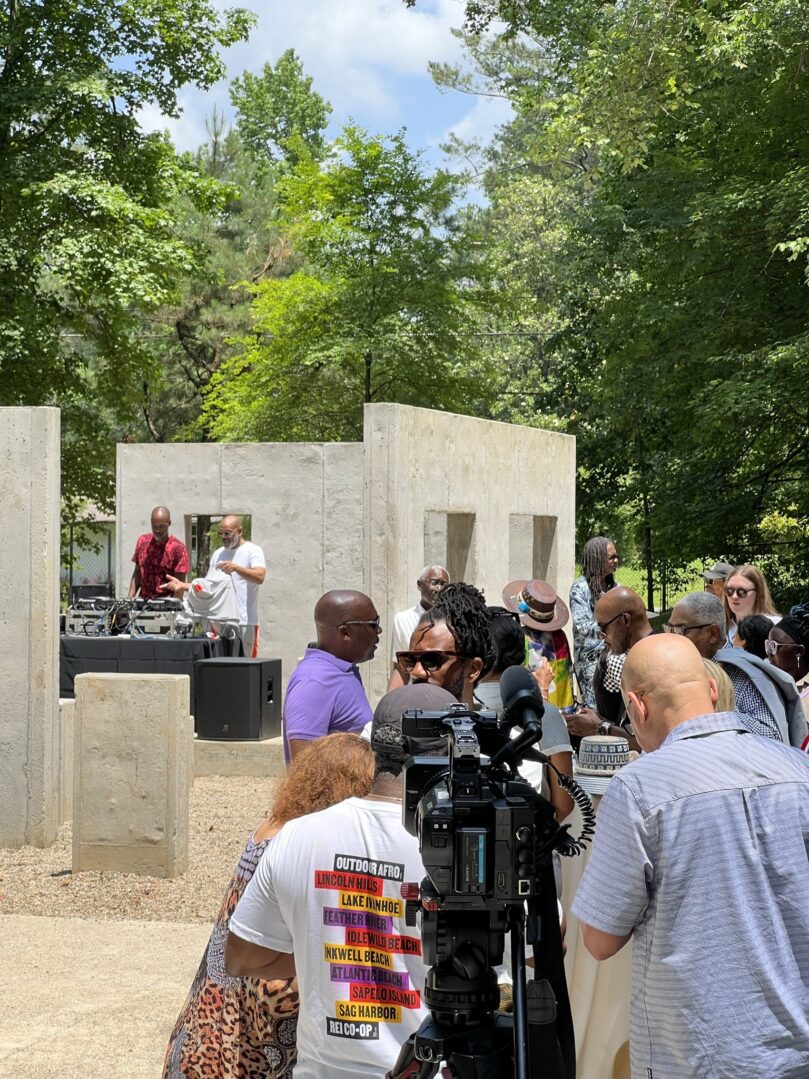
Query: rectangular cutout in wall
x=532, y=547
x=449, y=541
x=202, y=538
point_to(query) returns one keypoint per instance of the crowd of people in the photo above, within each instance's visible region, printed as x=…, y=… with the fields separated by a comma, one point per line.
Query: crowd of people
x=700, y=853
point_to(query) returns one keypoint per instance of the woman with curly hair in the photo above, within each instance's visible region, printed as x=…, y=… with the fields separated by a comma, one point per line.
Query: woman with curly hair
x=599, y=561
x=244, y=1028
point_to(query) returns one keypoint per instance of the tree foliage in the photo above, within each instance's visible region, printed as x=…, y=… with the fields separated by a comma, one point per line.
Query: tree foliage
x=648, y=213
x=192, y=336
x=279, y=114
x=87, y=242
x=279, y=119
x=383, y=308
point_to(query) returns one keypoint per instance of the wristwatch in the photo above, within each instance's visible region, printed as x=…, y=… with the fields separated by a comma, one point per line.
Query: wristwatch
x=604, y=727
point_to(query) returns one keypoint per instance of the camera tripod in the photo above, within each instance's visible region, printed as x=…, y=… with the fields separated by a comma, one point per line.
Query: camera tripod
x=465, y=1028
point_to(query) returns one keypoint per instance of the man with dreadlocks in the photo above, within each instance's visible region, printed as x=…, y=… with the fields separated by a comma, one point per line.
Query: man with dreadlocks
x=451, y=646
x=599, y=561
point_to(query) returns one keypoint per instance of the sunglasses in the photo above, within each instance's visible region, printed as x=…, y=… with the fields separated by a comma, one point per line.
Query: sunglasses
x=602, y=630
x=375, y=622
x=669, y=627
x=431, y=659
x=740, y=592
x=771, y=647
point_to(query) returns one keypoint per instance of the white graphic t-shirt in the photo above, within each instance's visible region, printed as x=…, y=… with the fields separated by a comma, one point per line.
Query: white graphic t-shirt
x=329, y=889
x=249, y=555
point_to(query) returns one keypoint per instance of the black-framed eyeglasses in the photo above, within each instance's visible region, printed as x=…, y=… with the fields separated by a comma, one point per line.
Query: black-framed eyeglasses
x=430, y=659
x=375, y=622
x=602, y=630
x=740, y=592
x=681, y=631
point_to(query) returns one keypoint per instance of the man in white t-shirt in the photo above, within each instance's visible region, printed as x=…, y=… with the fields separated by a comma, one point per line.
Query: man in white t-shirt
x=329, y=889
x=432, y=581
x=245, y=562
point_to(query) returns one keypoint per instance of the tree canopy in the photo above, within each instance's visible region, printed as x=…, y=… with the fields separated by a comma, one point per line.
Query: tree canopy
x=384, y=307
x=87, y=244
x=649, y=216
x=279, y=114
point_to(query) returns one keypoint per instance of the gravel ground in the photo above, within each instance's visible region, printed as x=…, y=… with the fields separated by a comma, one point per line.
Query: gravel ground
x=223, y=813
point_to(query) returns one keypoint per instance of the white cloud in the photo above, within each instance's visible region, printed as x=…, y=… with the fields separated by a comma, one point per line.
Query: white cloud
x=187, y=131
x=359, y=53
x=481, y=121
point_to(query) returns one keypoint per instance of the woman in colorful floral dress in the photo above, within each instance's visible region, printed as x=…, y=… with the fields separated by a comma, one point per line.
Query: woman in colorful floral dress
x=244, y=1028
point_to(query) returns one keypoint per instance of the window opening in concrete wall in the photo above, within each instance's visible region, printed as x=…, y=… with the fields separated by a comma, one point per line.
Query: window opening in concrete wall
x=449, y=540
x=202, y=537
x=88, y=561
x=532, y=547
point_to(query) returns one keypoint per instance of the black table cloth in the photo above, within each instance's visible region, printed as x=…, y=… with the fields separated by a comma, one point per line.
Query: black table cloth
x=134, y=655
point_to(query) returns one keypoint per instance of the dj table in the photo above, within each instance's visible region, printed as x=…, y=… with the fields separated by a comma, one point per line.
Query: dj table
x=136, y=655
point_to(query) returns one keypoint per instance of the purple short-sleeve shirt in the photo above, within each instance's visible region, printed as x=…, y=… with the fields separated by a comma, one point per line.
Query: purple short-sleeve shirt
x=325, y=694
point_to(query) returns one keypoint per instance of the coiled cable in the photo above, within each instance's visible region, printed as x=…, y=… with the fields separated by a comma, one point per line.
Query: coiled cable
x=568, y=846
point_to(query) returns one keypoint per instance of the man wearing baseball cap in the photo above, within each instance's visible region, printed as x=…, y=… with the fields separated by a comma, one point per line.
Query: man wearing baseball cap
x=715, y=578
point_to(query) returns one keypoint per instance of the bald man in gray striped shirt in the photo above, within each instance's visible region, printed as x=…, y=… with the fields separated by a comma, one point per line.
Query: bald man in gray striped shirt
x=700, y=857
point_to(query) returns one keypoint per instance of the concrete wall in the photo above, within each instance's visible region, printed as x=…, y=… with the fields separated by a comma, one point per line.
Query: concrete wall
x=67, y=723
x=306, y=506
x=29, y=626
x=132, y=774
x=491, y=501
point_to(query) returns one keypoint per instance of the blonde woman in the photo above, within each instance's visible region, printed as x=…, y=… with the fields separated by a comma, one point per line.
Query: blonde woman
x=726, y=701
x=746, y=593
x=245, y=1028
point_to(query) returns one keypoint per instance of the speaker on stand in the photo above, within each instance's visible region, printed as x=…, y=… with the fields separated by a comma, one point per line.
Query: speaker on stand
x=237, y=698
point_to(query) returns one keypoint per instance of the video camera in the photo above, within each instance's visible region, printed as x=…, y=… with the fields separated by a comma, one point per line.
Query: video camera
x=486, y=838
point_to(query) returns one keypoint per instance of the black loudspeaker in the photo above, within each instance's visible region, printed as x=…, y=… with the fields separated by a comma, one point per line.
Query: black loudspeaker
x=237, y=698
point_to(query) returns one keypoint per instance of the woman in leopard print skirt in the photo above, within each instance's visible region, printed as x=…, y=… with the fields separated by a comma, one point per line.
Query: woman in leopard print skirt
x=244, y=1028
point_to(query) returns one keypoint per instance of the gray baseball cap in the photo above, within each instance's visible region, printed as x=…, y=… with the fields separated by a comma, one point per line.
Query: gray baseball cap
x=387, y=740
x=719, y=571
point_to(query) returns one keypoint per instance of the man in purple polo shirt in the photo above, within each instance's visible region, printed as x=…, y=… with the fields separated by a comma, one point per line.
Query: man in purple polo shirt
x=325, y=692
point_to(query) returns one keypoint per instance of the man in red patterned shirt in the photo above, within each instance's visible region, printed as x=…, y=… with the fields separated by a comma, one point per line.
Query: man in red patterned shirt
x=157, y=554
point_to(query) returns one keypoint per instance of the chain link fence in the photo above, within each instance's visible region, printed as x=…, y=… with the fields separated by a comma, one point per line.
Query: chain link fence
x=88, y=557
x=668, y=585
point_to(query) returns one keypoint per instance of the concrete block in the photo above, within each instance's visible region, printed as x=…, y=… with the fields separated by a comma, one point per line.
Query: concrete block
x=264, y=758
x=67, y=715
x=29, y=626
x=133, y=761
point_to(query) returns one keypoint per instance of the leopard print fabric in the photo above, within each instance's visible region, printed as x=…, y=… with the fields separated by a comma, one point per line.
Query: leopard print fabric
x=234, y=1028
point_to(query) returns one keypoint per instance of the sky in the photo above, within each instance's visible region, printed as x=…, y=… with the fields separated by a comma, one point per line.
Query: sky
x=368, y=58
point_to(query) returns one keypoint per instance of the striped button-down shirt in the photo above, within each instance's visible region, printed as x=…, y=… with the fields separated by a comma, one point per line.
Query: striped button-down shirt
x=701, y=853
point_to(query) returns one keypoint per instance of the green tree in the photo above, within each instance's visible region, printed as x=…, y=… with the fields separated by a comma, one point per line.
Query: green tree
x=87, y=242
x=279, y=114
x=192, y=336
x=648, y=211
x=278, y=118
x=384, y=308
